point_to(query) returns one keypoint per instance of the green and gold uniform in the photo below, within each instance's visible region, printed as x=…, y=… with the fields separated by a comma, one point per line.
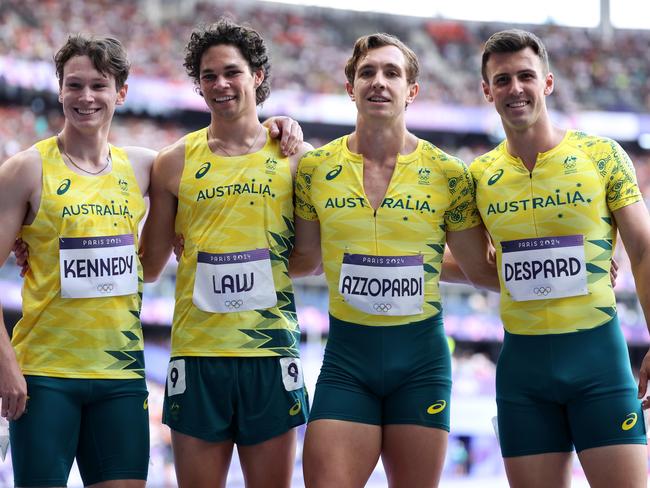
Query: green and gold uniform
x=534, y=217
x=66, y=344
x=229, y=208
x=429, y=194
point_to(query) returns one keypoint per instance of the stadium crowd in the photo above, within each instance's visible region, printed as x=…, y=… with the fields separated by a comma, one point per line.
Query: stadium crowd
x=310, y=49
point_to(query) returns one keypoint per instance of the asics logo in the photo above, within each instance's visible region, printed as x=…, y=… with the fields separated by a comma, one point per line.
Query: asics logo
x=630, y=421
x=542, y=291
x=382, y=307
x=63, y=187
x=437, y=407
x=334, y=173
x=105, y=287
x=295, y=409
x=495, y=177
x=233, y=304
x=202, y=171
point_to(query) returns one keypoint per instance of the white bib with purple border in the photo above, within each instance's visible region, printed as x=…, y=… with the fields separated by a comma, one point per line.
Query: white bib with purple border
x=234, y=282
x=103, y=266
x=544, y=267
x=383, y=285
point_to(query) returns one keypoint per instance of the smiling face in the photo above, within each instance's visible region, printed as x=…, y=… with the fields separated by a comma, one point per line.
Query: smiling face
x=518, y=84
x=88, y=96
x=381, y=88
x=227, y=83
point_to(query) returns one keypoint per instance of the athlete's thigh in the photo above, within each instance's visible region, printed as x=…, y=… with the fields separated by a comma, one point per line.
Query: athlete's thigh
x=531, y=421
x=200, y=463
x=114, y=436
x=199, y=397
x=270, y=400
x=616, y=465
x=269, y=464
x=340, y=453
x=413, y=455
x=604, y=409
x=349, y=385
x=418, y=377
x=44, y=440
x=549, y=470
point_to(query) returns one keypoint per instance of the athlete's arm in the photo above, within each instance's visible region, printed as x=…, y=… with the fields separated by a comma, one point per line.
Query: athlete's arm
x=141, y=160
x=306, y=257
x=633, y=224
x=19, y=183
x=289, y=132
x=157, y=239
x=471, y=251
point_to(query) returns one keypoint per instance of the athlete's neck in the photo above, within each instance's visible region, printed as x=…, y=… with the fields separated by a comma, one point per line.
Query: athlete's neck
x=89, y=146
x=529, y=143
x=383, y=142
x=237, y=135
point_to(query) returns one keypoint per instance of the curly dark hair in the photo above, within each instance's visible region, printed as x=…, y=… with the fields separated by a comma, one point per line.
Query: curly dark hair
x=225, y=31
x=106, y=53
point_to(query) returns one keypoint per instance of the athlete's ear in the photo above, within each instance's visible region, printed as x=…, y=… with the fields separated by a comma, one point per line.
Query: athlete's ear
x=549, y=83
x=486, y=91
x=121, y=94
x=350, y=89
x=60, y=97
x=414, y=89
x=258, y=77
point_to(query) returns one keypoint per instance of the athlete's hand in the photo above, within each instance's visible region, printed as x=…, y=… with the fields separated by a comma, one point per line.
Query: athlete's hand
x=13, y=389
x=644, y=375
x=613, y=272
x=179, y=246
x=289, y=132
x=22, y=254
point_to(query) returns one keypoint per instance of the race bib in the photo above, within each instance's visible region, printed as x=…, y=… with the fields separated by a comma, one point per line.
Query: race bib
x=383, y=285
x=544, y=267
x=291, y=374
x=234, y=282
x=103, y=266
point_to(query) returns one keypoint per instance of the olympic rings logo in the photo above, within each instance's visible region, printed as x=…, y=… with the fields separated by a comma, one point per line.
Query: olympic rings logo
x=233, y=303
x=382, y=307
x=105, y=287
x=542, y=290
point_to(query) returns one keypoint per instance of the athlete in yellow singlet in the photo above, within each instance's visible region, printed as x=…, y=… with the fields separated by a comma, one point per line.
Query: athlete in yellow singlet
x=74, y=387
x=553, y=201
x=411, y=221
x=381, y=204
x=234, y=376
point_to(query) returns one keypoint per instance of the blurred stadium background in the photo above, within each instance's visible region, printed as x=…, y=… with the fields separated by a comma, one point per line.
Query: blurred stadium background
x=603, y=86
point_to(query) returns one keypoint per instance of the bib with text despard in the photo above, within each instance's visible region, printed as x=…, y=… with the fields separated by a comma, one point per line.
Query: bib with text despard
x=544, y=267
x=383, y=285
x=103, y=266
x=234, y=282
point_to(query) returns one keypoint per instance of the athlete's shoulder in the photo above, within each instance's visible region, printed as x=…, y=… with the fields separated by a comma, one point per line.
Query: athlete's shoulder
x=322, y=154
x=431, y=154
x=485, y=161
x=176, y=150
x=22, y=172
x=588, y=143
